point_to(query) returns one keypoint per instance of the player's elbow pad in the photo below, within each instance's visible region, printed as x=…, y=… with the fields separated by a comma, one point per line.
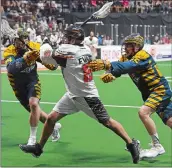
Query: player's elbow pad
x=115, y=73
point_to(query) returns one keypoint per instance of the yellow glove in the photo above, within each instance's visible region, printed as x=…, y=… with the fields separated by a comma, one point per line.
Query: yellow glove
x=31, y=56
x=50, y=66
x=98, y=64
x=106, y=78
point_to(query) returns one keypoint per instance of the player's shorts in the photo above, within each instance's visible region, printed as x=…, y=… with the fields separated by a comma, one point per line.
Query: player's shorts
x=24, y=92
x=92, y=106
x=161, y=103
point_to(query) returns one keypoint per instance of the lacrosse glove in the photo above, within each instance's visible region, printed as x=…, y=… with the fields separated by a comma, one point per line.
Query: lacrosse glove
x=31, y=56
x=50, y=66
x=98, y=64
x=108, y=77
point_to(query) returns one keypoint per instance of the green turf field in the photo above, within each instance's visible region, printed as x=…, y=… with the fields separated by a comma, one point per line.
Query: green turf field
x=83, y=142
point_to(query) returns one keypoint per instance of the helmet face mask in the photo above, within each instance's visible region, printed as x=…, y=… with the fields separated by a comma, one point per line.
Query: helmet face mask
x=23, y=36
x=73, y=35
x=18, y=44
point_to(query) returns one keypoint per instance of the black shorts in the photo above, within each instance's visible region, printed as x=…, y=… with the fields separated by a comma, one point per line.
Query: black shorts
x=24, y=91
x=97, y=108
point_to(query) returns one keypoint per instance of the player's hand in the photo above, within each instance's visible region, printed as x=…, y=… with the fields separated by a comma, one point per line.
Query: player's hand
x=98, y=64
x=106, y=78
x=31, y=56
x=50, y=66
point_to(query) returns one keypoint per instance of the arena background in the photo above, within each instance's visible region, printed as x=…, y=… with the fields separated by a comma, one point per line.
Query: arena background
x=84, y=142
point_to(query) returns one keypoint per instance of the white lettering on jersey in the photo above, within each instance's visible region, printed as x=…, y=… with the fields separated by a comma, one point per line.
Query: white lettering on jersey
x=28, y=69
x=84, y=59
x=77, y=75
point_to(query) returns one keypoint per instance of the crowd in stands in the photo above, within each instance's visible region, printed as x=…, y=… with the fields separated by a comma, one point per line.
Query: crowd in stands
x=42, y=18
x=134, y=6
x=40, y=8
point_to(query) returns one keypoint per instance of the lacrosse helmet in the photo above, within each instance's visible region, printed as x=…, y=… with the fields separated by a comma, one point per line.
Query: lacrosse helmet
x=20, y=46
x=73, y=35
x=23, y=35
x=132, y=44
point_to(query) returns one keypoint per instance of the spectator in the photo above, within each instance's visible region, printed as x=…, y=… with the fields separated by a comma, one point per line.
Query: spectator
x=147, y=40
x=92, y=42
x=108, y=41
x=156, y=39
x=165, y=39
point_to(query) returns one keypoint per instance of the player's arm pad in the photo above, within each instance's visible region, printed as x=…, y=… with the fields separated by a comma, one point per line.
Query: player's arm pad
x=119, y=68
x=46, y=53
x=15, y=66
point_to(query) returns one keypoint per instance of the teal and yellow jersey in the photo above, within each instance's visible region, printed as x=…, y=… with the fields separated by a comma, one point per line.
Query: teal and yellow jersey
x=23, y=78
x=14, y=60
x=144, y=72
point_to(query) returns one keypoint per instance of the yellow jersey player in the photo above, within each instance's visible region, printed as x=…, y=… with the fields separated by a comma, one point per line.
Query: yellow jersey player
x=23, y=78
x=151, y=83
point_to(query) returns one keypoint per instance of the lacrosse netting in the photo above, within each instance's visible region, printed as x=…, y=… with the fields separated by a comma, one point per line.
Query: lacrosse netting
x=6, y=30
x=104, y=11
x=100, y=14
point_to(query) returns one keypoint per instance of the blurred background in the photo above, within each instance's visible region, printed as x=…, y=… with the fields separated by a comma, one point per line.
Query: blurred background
x=48, y=18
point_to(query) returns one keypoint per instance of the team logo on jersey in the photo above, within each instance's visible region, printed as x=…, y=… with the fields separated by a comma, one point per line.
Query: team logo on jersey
x=28, y=69
x=85, y=59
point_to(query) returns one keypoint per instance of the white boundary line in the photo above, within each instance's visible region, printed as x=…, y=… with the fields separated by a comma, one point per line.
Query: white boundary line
x=49, y=103
x=59, y=74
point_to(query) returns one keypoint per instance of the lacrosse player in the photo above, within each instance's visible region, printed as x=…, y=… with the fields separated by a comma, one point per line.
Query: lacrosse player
x=23, y=78
x=81, y=95
x=152, y=84
x=92, y=42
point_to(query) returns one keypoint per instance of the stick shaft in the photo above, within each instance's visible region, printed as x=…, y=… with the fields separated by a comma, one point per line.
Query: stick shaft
x=86, y=21
x=25, y=44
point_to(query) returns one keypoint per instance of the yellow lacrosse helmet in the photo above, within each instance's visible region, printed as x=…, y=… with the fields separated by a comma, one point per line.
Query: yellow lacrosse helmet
x=131, y=45
x=134, y=39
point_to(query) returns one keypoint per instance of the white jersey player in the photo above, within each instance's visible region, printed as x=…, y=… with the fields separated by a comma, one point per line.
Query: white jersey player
x=77, y=75
x=81, y=95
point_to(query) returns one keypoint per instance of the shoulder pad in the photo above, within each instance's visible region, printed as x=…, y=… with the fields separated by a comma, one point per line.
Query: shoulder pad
x=142, y=55
x=34, y=45
x=67, y=49
x=9, y=51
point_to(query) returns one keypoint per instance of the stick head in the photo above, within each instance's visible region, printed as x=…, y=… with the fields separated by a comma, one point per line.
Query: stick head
x=7, y=30
x=103, y=11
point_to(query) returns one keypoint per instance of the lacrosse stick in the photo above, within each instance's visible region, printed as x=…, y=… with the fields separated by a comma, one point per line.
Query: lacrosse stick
x=8, y=31
x=101, y=13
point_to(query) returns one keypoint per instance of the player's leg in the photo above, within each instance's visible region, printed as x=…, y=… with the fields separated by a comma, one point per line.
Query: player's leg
x=49, y=125
x=155, y=102
x=169, y=122
x=144, y=113
x=93, y=107
x=65, y=106
x=166, y=115
x=36, y=113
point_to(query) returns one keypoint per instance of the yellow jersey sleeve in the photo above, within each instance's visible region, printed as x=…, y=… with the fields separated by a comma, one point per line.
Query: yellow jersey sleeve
x=34, y=45
x=9, y=51
x=140, y=56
